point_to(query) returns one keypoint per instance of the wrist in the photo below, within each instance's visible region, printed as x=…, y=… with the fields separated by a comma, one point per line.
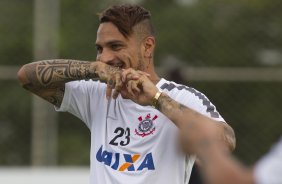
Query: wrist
x=97, y=70
x=155, y=100
x=91, y=73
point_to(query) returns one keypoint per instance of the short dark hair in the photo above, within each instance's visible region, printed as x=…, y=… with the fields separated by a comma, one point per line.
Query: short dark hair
x=125, y=17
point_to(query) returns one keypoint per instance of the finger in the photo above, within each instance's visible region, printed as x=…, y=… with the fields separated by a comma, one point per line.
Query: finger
x=129, y=88
x=124, y=74
x=109, y=88
x=118, y=85
x=124, y=92
x=108, y=92
x=129, y=74
x=135, y=75
x=134, y=86
x=115, y=94
x=143, y=73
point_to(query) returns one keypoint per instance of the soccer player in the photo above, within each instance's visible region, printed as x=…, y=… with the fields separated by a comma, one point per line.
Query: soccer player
x=130, y=143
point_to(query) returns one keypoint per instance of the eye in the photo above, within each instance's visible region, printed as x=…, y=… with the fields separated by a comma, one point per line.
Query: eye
x=99, y=49
x=116, y=47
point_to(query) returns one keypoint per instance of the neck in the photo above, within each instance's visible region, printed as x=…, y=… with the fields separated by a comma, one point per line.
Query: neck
x=150, y=69
x=154, y=76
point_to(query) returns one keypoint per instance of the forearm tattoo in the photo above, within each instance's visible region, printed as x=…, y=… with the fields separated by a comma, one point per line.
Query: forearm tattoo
x=53, y=71
x=47, y=78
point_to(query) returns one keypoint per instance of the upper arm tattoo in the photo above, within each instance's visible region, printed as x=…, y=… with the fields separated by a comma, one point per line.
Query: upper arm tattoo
x=57, y=97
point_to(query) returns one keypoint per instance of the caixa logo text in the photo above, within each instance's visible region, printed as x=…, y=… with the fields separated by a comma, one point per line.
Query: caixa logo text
x=122, y=162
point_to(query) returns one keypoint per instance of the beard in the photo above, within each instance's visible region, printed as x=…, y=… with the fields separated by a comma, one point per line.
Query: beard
x=140, y=63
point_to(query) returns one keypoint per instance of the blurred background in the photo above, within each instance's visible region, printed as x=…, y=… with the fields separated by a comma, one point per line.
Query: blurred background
x=231, y=50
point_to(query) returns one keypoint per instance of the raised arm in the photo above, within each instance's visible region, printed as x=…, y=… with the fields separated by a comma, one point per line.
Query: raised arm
x=47, y=78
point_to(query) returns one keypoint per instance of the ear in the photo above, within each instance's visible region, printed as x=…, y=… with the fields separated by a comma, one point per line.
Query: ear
x=149, y=46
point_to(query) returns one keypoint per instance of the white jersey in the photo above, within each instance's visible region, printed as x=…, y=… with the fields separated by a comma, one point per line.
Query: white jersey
x=131, y=143
x=269, y=169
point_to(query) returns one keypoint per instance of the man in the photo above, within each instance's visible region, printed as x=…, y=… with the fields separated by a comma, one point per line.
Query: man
x=130, y=143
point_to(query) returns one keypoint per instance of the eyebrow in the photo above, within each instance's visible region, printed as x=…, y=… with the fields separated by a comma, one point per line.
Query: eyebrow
x=111, y=43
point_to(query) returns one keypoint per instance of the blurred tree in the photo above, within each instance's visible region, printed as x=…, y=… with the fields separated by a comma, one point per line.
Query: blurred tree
x=218, y=33
x=15, y=31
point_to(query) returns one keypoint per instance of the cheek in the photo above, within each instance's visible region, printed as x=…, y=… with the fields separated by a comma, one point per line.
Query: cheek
x=123, y=56
x=131, y=57
x=128, y=57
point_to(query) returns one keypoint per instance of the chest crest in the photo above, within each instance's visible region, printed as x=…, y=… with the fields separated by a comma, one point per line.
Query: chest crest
x=146, y=125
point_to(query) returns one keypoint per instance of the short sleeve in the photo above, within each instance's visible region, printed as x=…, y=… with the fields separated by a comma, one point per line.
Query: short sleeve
x=81, y=97
x=200, y=103
x=191, y=98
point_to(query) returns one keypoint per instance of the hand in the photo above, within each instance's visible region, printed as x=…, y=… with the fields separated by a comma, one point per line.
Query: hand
x=139, y=88
x=112, y=76
x=122, y=88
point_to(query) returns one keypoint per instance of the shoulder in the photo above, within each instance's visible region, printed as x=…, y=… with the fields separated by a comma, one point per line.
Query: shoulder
x=174, y=88
x=190, y=97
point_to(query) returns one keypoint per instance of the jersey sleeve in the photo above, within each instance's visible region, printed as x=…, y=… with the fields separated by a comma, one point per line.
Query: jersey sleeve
x=200, y=103
x=191, y=98
x=197, y=101
x=81, y=98
x=268, y=169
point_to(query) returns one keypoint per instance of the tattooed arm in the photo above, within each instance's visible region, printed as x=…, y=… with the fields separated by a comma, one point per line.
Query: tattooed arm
x=47, y=78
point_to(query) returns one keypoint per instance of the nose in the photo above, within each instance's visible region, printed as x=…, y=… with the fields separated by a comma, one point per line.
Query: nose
x=106, y=56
